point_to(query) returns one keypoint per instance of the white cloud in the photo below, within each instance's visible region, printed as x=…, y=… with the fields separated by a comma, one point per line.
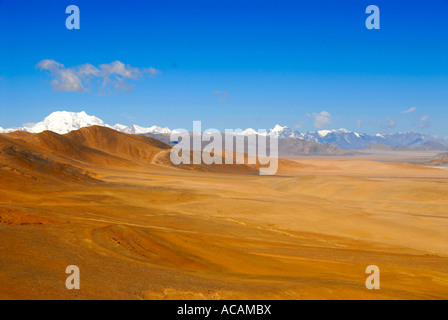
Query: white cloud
x=112, y=75
x=424, y=122
x=409, y=110
x=152, y=71
x=322, y=120
x=87, y=69
x=64, y=79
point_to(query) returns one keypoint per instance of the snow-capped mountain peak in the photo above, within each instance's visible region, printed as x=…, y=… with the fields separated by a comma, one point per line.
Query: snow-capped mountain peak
x=248, y=131
x=278, y=128
x=282, y=132
x=118, y=127
x=63, y=122
x=159, y=130
x=324, y=133
x=135, y=129
x=277, y=131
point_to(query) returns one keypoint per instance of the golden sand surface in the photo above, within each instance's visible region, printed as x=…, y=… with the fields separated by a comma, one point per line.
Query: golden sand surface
x=151, y=231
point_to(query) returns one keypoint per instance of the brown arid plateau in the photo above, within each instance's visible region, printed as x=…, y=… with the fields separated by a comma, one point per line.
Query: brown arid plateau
x=140, y=228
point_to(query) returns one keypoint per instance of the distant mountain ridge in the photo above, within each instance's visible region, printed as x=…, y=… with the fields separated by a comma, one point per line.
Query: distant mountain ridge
x=440, y=159
x=286, y=146
x=62, y=122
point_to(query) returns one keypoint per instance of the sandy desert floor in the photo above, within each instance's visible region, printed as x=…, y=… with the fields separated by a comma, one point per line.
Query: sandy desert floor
x=165, y=233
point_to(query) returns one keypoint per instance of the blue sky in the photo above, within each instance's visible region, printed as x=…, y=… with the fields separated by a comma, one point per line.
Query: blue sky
x=232, y=63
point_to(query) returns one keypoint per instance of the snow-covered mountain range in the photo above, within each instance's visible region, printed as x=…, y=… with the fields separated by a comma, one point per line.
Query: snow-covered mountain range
x=63, y=122
x=356, y=141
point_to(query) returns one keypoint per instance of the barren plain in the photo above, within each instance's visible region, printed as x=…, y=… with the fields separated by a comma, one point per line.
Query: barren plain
x=139, y=228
